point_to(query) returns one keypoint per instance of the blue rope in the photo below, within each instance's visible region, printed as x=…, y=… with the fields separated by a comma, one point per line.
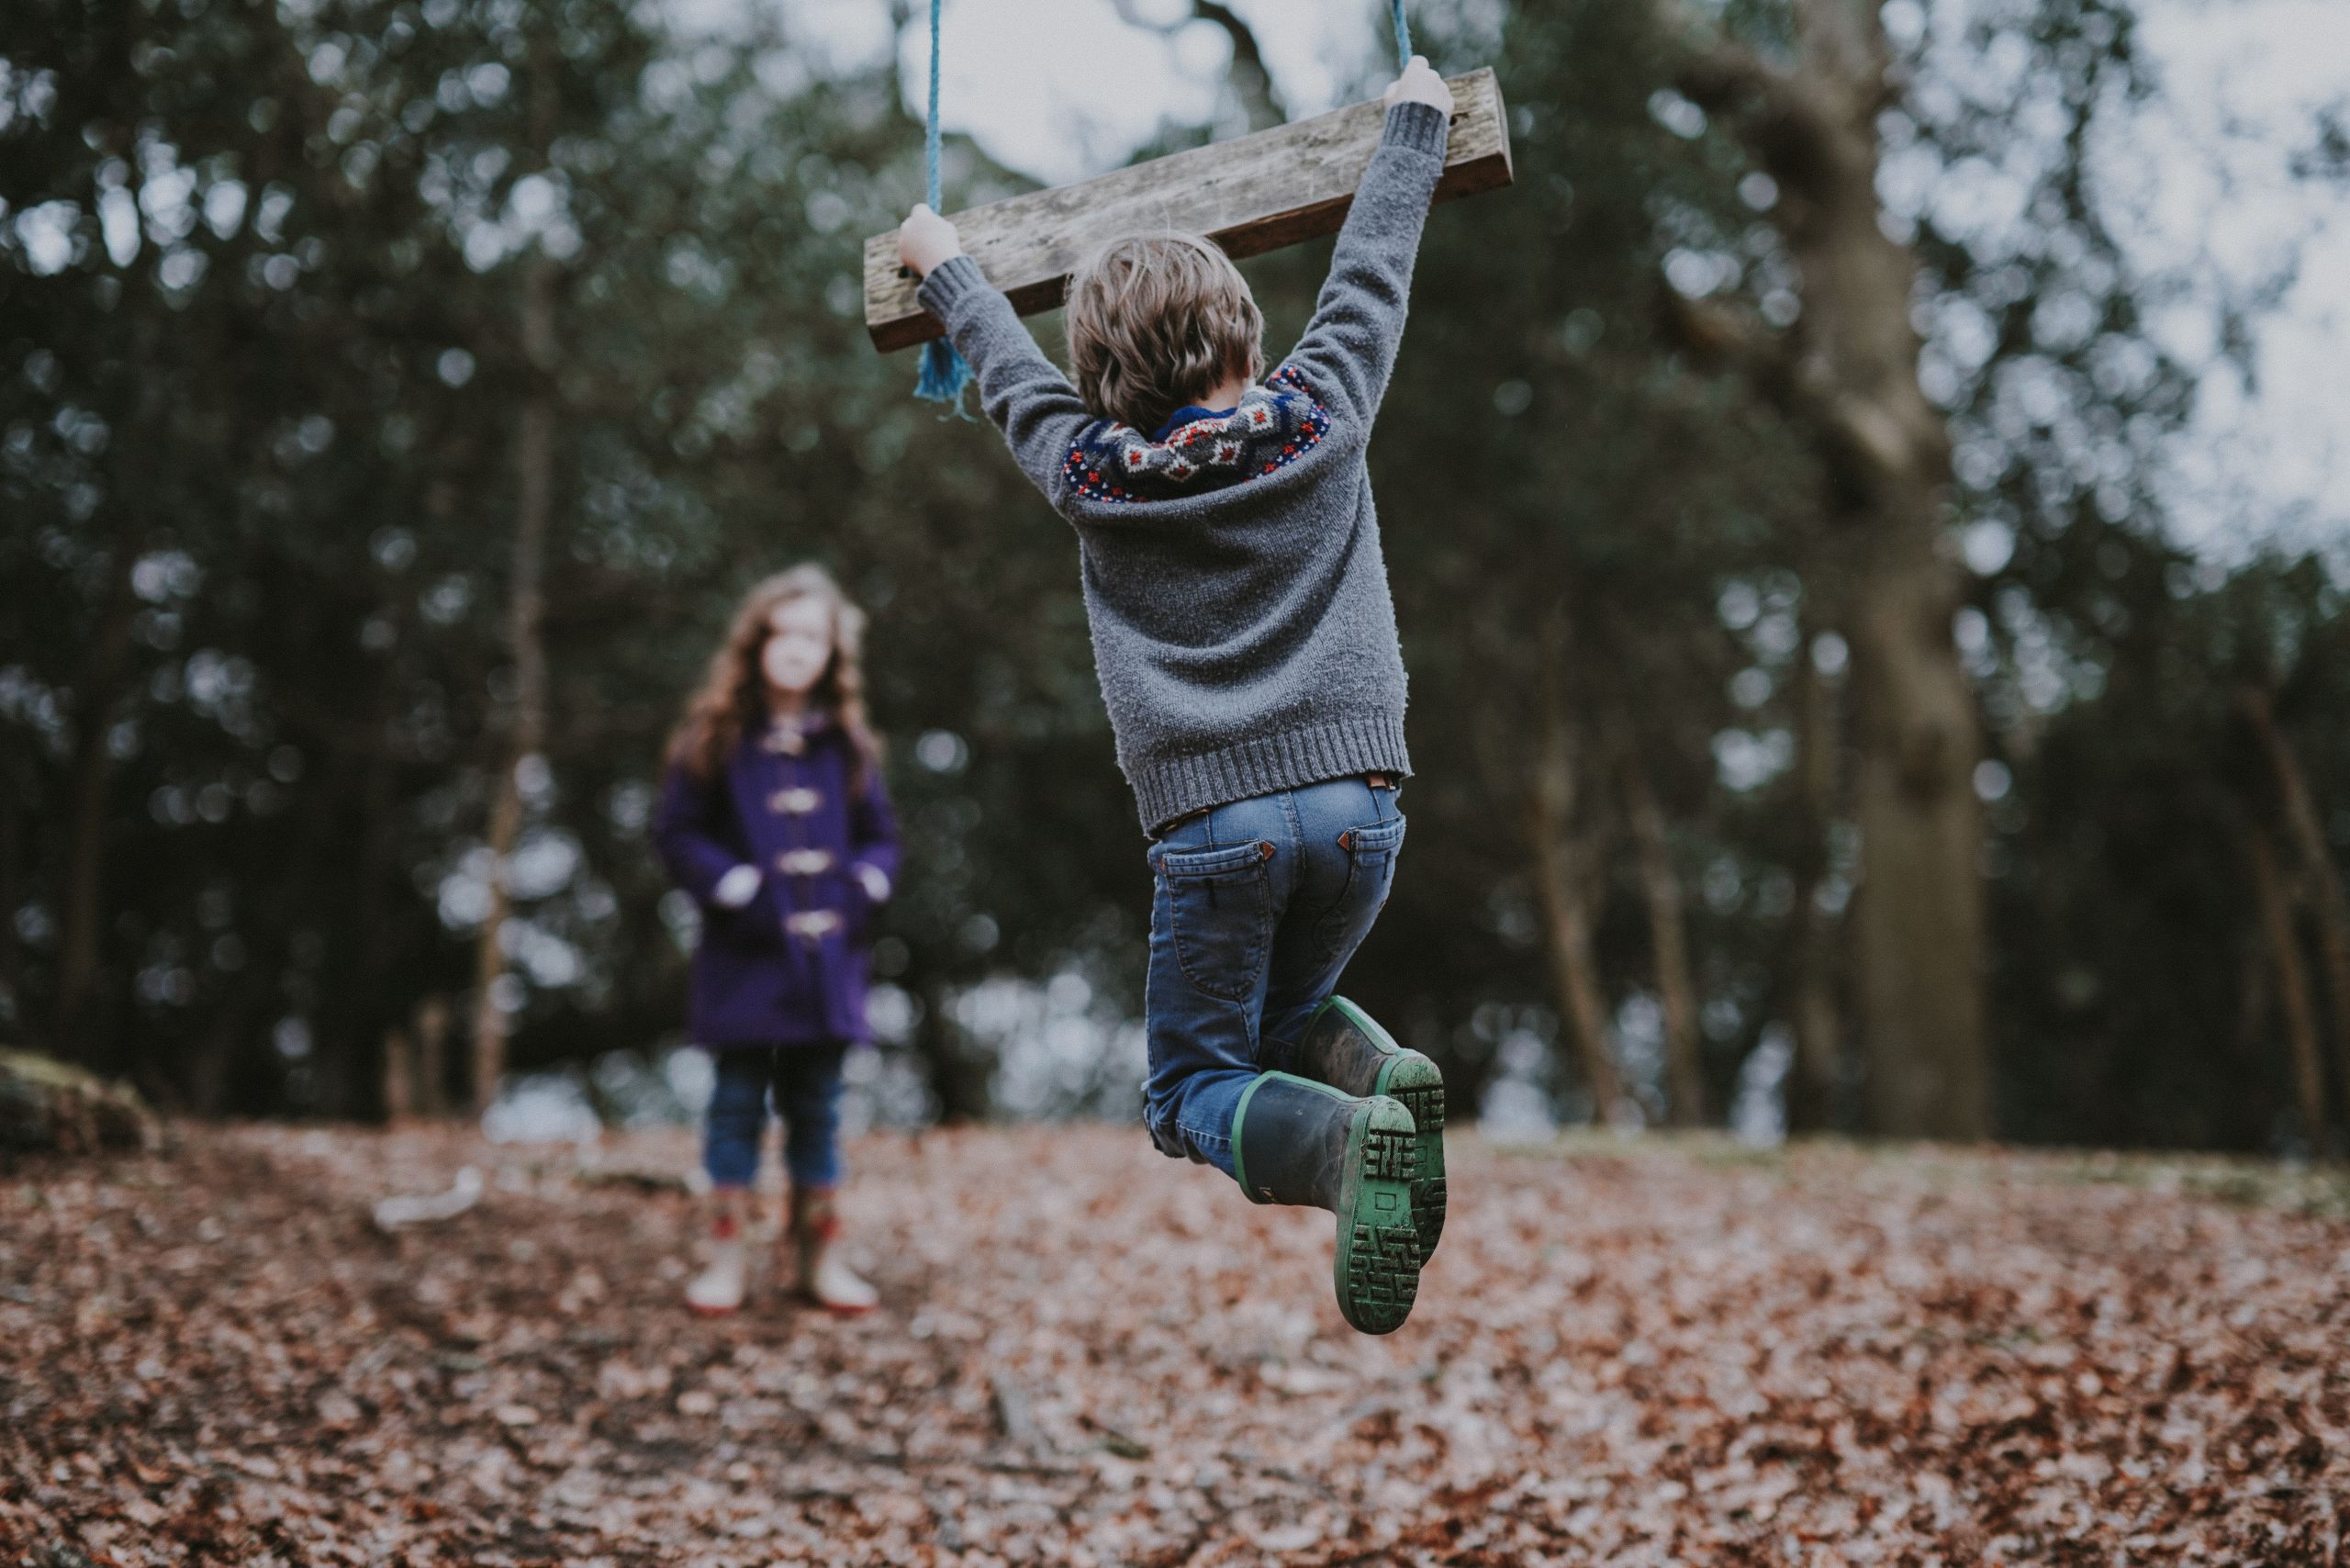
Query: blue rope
x=929, y=133
x=944, y=374
x=1402, y=34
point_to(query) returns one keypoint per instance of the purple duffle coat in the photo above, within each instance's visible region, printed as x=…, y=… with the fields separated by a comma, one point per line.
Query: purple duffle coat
x=791, y=966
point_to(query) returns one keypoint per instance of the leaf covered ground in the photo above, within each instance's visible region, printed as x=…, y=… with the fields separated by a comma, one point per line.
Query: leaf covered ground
x=1625, y=1353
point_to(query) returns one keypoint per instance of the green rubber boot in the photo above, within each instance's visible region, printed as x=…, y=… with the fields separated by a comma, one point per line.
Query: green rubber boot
x=1294, y=1141
x=1345, y=1047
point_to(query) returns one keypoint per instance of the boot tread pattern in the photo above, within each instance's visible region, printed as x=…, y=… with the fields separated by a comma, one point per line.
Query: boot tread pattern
x=1383, y=1275
x=1425, y=1102
x=1389, y=1155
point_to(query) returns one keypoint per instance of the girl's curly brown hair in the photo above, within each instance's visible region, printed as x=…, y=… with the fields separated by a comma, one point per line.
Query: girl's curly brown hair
x=732, y=699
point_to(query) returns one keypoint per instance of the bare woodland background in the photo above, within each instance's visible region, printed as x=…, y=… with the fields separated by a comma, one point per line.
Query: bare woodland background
x=1812, y=704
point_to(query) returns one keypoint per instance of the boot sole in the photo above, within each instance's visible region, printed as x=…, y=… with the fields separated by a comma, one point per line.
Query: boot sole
x=1413, y=1079
x=1408, y=1076
x=1376, y=1269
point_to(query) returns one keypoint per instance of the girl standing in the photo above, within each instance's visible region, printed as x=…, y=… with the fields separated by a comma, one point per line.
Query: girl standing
x=773, y=816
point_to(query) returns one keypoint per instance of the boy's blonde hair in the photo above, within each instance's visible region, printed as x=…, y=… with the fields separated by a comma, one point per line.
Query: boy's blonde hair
x=1159, y=322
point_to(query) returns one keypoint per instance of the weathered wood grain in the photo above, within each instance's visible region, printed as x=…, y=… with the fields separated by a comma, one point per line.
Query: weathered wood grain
x=1250, y=194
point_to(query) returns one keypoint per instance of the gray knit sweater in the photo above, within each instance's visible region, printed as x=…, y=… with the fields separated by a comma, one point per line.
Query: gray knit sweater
x=1242, y=627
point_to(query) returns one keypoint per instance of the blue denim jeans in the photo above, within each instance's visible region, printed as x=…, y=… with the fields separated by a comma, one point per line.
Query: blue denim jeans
x=805, y=1082
x=1258, y=906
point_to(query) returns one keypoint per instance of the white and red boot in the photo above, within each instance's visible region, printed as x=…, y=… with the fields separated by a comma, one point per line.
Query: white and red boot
x=719, y=1289
x=825, y=1276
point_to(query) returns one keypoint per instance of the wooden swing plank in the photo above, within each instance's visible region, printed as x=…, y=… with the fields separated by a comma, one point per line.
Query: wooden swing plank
x=1250, y=194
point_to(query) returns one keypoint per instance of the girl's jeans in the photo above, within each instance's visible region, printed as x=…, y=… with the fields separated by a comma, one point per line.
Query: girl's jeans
x=806, y=1081
x=1258, y=906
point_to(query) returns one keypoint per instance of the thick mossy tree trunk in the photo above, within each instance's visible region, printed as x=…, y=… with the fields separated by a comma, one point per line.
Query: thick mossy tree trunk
x=1847, y=371
x=1918, y=924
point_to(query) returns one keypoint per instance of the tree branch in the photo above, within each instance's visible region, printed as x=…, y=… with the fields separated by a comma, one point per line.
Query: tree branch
x=1721, y=337
x=1782, y=118
x=1250, y=80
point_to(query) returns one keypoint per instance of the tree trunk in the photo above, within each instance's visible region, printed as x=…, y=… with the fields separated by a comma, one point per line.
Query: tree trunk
x=12, y=898
x=1850, y=372
x=2252, y=1012
x=2318, y=872
x=1668, y=945
x=374, y=1012
x=958, y=1078
x=1919, y=921
x=431, y=1057
x=1812, y=1082
x=527, y=725
x=1558, y=889
x=2292, y=984
x=527, y=720
x=399, y=1075
x=213, y=1063
x=2232, y=1126
x=82, y=927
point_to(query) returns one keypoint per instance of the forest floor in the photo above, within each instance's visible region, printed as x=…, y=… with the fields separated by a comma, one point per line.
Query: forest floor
x=1659, y=1351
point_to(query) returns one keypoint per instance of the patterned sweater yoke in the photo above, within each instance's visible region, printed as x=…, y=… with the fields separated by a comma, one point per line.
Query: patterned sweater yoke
x=1272, y=426
x=1235, y=587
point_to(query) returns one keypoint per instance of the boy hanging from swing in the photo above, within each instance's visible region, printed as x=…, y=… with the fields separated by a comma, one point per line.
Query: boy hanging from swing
x=1247, y=648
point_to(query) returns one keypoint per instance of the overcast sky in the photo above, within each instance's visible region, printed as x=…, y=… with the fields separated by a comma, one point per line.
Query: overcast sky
x=1059, y=89
x=2246, y=81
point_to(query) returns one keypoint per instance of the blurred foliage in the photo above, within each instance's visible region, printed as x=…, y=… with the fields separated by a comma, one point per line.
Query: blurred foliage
x=260, y=362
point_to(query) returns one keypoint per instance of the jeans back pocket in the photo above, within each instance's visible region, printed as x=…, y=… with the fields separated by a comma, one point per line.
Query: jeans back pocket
x=1371, y=850
x=1375, y=839
x=1220, y=914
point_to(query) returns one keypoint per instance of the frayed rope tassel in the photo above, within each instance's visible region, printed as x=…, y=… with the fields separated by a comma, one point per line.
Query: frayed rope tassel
x=944, y=375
